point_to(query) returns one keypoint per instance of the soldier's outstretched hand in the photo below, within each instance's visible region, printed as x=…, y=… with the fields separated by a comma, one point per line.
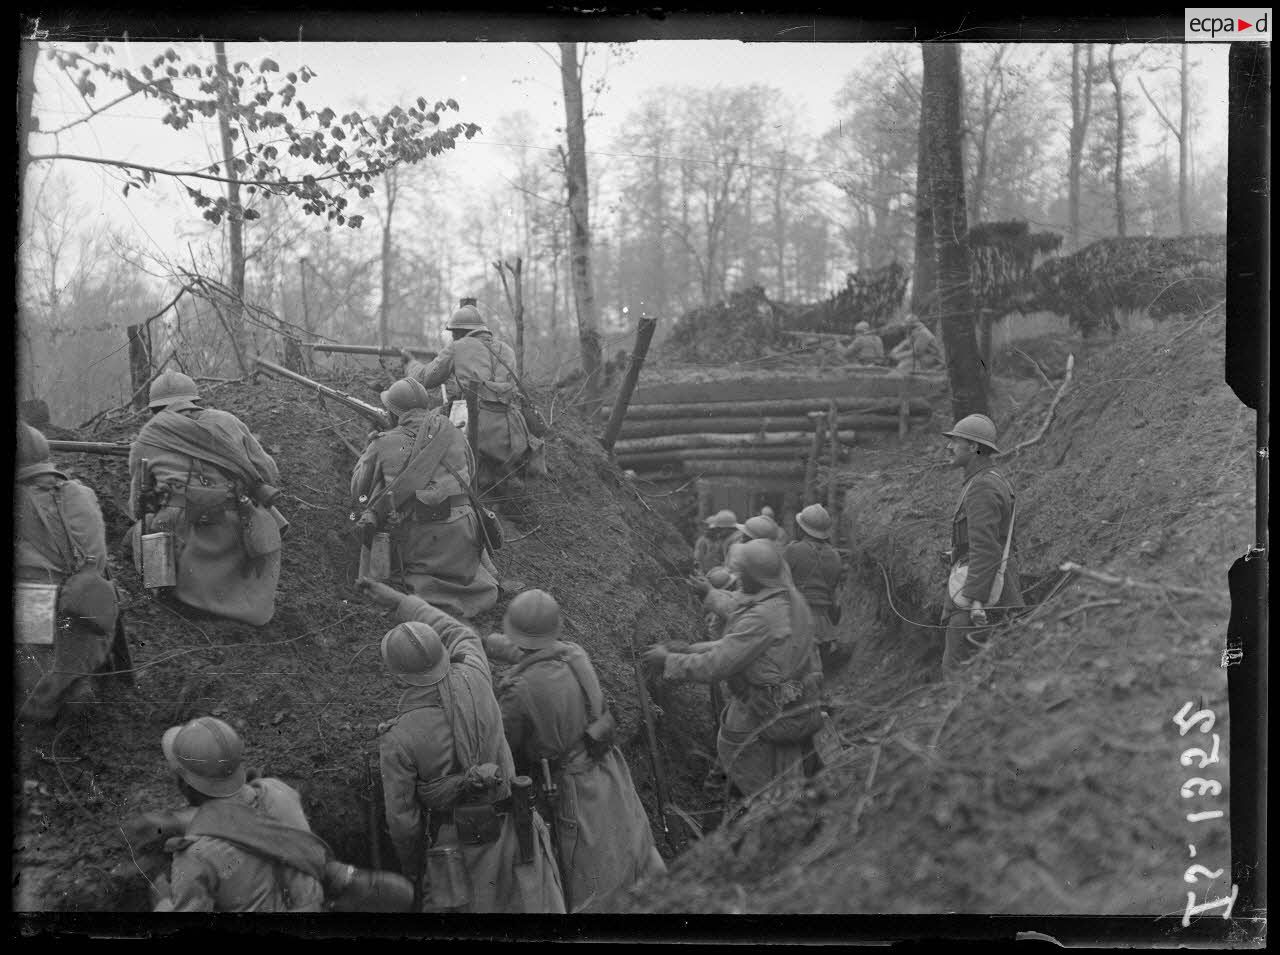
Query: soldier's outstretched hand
x=654, y=659
x=381, y=593
x=700, y=585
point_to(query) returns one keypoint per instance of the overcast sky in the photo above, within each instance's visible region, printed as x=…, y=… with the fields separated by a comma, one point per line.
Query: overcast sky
x=489, y=80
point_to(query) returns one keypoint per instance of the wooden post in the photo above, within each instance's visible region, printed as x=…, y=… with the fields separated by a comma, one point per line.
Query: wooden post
x=833, y=415
x=644, y=335
x=519, y=317
x=815, y=451
x=293, y=355
x=791, y=506
x=139, y=367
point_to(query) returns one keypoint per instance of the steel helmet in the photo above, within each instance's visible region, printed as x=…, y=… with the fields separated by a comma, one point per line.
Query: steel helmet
x=767, y=511
x=33, y=453
x=760, y=528
x=815, y=521
x=760, y=560
x=975, y=427
x=532, y=620
x=405, y=394
x=414, y=654
x=466, y=319
x=207, y=754
x=719, y=577
x=173, y=390
x=725, y=518
x=862, y=327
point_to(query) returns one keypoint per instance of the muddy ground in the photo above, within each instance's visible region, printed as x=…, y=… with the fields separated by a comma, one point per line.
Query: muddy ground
x=1048, y=778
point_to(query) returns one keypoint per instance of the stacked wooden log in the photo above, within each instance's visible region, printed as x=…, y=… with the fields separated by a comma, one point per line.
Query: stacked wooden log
x=763, y=431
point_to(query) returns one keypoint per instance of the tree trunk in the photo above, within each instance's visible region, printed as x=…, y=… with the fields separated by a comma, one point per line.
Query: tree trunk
x=946, y=190
x=235, y=215
x=28, y=52
x=580, y=234
x=384, y=310
x=1184, y=151
x=139, y=367
x=924, y=281
x=1081, y=102
x=1117, y=86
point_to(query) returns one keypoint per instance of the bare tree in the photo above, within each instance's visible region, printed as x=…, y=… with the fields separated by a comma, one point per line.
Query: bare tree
x=942, y=97
x=391, y=179
x=1117, y=88
x=580, y=231
x=1081, y=107
x=1182, y=133
x=235, y=212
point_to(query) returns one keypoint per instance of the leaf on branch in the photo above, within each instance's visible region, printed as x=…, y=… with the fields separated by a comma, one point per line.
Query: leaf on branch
x=291, y=77
x=251, y=214
x=452, y=104
x=268, y=66
x=325, y=117
x=355, y=222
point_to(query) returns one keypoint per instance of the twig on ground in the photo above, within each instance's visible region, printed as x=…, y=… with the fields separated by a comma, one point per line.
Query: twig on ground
x=1048, y=418
x=1043, y=376
x=524, y=535
x=1088, y=606
x=1113, y=581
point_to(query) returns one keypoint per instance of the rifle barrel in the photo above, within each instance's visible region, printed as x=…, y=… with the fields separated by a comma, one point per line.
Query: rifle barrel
x=369, y=411
x=90, y=447
x=659, y=777
x=368, y=350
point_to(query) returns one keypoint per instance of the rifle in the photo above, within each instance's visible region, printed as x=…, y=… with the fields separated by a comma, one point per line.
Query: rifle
x=372, y=412
x=659, y=776
x=422, y=353
x=90, y=447
x=549, y=794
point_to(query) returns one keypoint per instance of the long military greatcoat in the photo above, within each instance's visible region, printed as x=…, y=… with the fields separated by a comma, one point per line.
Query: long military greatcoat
x=438, y=733
x=759, y=651
x=604, y=837
x=436, y=538
x=215, y=571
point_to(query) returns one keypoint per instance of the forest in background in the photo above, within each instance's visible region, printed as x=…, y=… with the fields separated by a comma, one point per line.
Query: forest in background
x=711, y=190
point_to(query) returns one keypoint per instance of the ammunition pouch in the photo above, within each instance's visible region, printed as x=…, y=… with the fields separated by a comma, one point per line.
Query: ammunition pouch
x=598, y=736
x=264, y=495
x=206, y=506
x=423, y=513
x=478, y=824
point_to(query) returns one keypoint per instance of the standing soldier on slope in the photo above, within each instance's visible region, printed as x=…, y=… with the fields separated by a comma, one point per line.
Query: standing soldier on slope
x=60, y=567
x=475, y=362
x=768, y=659
x=447, y=772
x=816, y=569
x=561, y=733
x=200, y=474
x=983, y=583
x=412, y=482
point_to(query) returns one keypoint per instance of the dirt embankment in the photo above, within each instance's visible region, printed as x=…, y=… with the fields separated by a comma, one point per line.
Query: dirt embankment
x=307, y=690
x=1046, y=779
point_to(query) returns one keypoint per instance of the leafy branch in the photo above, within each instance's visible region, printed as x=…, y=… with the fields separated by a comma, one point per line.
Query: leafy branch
x=346, y=153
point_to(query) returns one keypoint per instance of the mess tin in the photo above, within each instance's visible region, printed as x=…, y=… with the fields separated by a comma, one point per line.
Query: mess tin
x=158, y=566
x=35, y=612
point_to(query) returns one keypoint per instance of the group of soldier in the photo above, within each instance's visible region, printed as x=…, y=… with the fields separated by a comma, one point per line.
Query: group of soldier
x=918, y=350
x=502, y=794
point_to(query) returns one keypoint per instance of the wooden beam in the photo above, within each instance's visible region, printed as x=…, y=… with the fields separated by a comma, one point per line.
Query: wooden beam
x=773, y=389
x=786, y=406
x=675, y=442
x=889, y=421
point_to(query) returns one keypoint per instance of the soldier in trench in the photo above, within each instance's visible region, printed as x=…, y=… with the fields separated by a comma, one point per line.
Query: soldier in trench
x=412, y=482
x=200, y=474
x=983, y=584
x=60, y=559
x=817, y=571
x=768, y=659
x=477, y=363
x=447, y=772
x=561, y=731
x=709, y=550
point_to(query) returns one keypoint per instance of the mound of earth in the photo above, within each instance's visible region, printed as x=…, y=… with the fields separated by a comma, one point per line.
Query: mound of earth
x=307, y=690
x=1046, y=778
